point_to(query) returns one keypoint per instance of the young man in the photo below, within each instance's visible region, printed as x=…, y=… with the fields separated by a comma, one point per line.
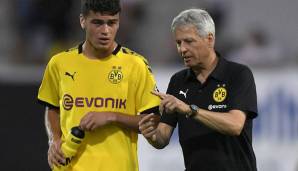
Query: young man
x=213, y=101
x=101, y=87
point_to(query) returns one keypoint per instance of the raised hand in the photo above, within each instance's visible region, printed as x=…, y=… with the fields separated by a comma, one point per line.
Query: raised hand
x=171, y=104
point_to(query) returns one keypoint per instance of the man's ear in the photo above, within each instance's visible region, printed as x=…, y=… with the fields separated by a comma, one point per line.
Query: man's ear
x=211, y=39
x=82, y=21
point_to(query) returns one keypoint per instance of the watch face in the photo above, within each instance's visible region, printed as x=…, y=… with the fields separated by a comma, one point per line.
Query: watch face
x=194, y=107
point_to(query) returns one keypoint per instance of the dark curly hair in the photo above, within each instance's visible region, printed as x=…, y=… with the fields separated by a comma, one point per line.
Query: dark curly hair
x=110, y=7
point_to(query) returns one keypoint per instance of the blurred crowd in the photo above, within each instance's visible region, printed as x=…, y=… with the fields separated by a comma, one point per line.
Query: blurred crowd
x=41, y=28
x=45, y=27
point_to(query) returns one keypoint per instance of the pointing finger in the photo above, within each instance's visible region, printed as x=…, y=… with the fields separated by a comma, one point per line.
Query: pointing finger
x=159, y=94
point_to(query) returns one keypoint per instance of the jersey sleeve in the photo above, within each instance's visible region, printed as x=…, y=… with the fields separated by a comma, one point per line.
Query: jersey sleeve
x=244, y=97
x=145, y=83
x=49, y=89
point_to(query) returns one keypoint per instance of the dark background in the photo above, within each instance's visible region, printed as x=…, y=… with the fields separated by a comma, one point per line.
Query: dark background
x=22, y=132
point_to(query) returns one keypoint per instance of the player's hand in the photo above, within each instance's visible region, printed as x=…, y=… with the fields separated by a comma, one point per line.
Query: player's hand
x=171, y=104
x=55, y=155
x=148, y=125
x=93, y=120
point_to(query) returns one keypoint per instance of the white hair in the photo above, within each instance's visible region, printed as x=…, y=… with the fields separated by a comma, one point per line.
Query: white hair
x=197, y=17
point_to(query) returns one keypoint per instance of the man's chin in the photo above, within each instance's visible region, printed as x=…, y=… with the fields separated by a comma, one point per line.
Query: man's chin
x=103, y=47
x=187, y=64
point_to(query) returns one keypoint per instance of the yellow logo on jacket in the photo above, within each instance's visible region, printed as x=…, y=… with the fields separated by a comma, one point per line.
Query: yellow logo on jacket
x=220, y=94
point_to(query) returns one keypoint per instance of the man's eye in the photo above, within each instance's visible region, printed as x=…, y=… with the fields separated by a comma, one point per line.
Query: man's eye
x=111, y=23
x=97, y=22
x=188, y=41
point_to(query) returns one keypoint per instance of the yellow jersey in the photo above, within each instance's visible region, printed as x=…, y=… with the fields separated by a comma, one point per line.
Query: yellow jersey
x=121, y=82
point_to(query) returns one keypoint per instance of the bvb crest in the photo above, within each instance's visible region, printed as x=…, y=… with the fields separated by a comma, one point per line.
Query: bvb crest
x=115, y=76
x=220, y=94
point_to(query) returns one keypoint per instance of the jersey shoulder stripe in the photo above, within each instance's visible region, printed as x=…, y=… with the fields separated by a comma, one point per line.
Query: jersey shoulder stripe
x=64, y=55
x=128, y=51
x=72, y=49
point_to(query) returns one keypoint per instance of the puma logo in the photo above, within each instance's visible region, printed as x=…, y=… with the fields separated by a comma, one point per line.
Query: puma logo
x=70, y=75
x=183, y=93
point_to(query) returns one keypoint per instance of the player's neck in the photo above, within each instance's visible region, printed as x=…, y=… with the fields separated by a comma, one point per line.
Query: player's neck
x=94, y=53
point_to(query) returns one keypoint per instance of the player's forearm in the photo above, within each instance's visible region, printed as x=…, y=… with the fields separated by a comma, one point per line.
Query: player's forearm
x=225, y=123
x=52, y=123
x=128, y=121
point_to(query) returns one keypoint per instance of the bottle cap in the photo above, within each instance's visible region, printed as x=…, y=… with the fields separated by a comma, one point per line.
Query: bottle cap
x=77, y=132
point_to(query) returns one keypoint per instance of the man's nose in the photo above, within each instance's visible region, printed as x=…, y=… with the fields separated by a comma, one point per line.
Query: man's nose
x=183, y=49
x=105, y=28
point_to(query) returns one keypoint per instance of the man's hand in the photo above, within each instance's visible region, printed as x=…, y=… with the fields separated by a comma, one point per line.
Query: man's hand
x=171, y=104
x=55, y=155
x=93, y=120
x=148, y=125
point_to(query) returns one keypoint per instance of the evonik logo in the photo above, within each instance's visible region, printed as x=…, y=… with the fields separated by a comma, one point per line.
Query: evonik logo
x=98, y=102
x=211, y=107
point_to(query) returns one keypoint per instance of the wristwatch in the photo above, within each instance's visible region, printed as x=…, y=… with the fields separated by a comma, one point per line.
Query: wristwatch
x=194, y=109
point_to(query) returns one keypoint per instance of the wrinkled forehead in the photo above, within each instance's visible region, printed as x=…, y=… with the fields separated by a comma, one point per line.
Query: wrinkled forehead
x=185, y=30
